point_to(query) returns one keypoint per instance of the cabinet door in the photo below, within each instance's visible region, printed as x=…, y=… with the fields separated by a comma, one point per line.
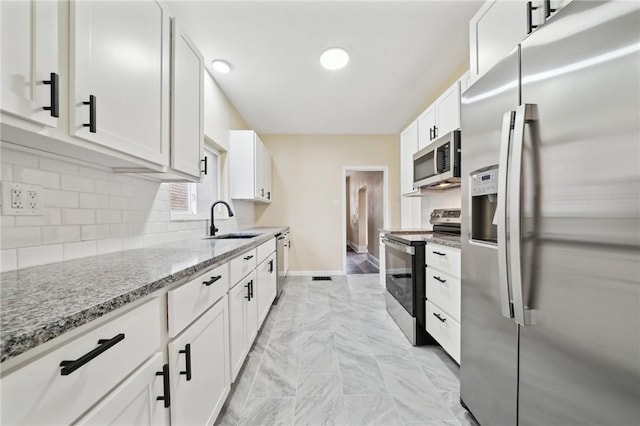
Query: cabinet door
x=497, y=27
x=203, y=351
x=408, y=147
x=238, y=296
x=251, y=322
x=135, y=401
x=259, y=167
x=267, y=174
x=29, y=31
x=448, y=110
x=120, y=55
x=187, y=100
x=426, y=123
x=266, y=283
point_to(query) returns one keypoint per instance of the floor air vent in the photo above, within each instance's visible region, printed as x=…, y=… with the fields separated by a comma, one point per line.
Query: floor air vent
x=321, y=278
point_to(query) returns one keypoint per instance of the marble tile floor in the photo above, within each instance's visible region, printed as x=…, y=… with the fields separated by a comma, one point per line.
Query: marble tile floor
x=329, y=354
x=357, y=263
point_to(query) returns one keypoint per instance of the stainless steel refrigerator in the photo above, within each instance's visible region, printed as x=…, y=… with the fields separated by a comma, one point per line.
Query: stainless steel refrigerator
x=551, y=226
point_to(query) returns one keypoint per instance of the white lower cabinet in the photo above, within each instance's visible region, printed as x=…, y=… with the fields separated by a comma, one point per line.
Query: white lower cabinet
x=62, y=385
x=444, y=329
x=266, y=287
x=199, y=368
x=243, y=321
x=135, y=402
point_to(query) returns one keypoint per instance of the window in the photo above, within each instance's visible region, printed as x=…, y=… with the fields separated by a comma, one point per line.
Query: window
x=193, y=200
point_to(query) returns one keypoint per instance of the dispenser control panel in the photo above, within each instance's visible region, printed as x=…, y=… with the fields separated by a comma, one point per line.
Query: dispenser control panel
x=484, y=183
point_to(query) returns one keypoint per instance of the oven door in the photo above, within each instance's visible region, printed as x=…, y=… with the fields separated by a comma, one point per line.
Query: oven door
x=399, y=273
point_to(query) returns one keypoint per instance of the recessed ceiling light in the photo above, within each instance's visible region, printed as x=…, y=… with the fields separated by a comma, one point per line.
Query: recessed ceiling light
x=334, y=58
x=220, y=66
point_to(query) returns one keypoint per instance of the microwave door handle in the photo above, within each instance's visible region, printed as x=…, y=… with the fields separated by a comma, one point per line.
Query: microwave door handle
x=524, y=115
x=501, y=214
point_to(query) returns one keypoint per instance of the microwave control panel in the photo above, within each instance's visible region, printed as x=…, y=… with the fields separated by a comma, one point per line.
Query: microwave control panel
x=485, y=182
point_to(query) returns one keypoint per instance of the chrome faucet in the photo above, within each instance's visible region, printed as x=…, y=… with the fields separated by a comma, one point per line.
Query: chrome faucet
x=212, y=228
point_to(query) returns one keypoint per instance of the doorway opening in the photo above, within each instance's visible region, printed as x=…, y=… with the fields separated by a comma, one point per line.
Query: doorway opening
x=365, y=213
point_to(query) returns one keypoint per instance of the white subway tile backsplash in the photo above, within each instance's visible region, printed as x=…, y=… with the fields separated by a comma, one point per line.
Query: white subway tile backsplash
x=121, y=203
x=6, y=221
x=108, y=216
x=19, y=157
x=94, y=232
x=106, y=187
x=60, y=234
x=58, y=166
x=51, y=216
x=78, y=216
x=36, y=177
x=79, y=250
x=8, y=260
x=118, y=230
x=93, y=173
x=131, y=216
x=20, y=237
x=41, y=255
x=130, y=243
x=109, y=246
x=54, y=198
x=93, y=201
x=76, y=183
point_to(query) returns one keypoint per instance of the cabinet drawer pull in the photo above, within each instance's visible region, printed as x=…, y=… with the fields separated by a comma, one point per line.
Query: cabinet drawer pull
x=547, y=8
x=440, y=279
x=212, y=280
x=248, y=296
x=248, y=257
x=262, y=192
x=204, y=160
x=187, y=354
x=271, y=266
x=268, y=195
x=435, y=131
x=69, y=367
x=92, y=114
x=439, y=253
x=165, y=383
x=530, y=9
x=250, y=290
x=54, y=82
x=439, y=317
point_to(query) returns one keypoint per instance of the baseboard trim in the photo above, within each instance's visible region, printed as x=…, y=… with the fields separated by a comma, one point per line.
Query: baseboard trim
x=312, y=273
x=358, y=249
x=373, y=260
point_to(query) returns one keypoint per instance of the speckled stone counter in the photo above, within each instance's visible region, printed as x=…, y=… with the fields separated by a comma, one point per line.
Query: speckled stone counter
x=429, y=236
x=43, y=302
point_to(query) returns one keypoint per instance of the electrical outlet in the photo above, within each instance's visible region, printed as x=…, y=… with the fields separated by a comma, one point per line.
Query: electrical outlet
x=21, y=199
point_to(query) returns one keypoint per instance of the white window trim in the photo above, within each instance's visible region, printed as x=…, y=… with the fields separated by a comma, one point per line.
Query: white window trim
x=204, y=214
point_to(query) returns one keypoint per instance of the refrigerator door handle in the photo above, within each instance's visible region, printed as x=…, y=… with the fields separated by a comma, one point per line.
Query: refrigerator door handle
x=501, y=214
x=524, y=114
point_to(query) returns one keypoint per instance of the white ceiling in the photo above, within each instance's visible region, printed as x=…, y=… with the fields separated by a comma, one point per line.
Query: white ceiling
x=400, y=54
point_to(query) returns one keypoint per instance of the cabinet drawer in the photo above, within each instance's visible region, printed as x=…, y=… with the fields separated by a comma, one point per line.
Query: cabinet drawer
x=265, y=250
x=445, y=330
x=38, y=393
x=242, y=265
x=443, y=290
x=190, y=300
x=446, y=259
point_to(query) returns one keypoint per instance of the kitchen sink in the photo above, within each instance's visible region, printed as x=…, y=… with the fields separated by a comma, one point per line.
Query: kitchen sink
x=234, y=236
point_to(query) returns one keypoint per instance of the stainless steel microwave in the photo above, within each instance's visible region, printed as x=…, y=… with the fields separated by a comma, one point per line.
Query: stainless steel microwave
x=437, y=166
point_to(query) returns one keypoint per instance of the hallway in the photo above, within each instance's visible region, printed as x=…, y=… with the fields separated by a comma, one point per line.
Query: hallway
x=357, y=263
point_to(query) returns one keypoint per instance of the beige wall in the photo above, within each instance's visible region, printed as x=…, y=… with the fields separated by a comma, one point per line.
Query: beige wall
x=372, y=182
x=307, y=191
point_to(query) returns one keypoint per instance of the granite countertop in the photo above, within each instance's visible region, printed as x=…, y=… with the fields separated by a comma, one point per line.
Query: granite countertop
x=40, y=303
x=428, y=236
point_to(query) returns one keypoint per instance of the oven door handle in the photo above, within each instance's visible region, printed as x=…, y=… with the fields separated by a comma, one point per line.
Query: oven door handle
x=406, y=249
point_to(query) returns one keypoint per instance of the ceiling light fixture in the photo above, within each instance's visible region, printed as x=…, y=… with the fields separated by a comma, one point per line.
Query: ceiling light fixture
x=334, y=58
x=220, y=66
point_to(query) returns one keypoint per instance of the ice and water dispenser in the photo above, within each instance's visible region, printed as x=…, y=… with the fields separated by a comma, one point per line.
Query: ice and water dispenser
x=484, y=200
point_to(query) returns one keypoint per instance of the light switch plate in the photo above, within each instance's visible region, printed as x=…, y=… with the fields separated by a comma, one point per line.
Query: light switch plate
x=19, y=199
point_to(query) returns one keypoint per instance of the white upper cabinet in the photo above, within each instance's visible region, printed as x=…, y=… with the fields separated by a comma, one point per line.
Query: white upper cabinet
x=187, y=101
x=408, y=147
x=120, y=76
x=250, y=167
x=29, y=31
x=216, y=113
x=498, y=27
x=442, y=117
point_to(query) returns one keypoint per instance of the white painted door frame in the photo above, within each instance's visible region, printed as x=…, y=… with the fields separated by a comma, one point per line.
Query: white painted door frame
x=385, y=202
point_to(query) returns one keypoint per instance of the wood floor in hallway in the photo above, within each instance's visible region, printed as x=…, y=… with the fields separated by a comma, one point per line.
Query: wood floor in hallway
x=357, y=263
